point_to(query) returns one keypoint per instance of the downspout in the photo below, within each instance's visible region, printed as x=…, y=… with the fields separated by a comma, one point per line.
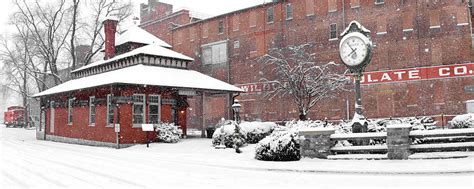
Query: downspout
x=229, y=61
x=343, y=14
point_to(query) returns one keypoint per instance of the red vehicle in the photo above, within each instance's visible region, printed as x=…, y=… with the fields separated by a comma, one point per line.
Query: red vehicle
x=14, y=116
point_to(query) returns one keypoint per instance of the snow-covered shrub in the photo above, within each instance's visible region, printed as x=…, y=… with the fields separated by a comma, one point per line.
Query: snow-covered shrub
x=252, y=132
x=256, y=131
x=463, y=121
x=283, y=143
x=167, y=133
x=227, y=131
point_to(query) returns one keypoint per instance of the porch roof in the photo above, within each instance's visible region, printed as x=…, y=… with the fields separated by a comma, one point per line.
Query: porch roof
x=146, y=75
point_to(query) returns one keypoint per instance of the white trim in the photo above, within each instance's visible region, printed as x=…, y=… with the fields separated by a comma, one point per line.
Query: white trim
x=463, y=24
x=333, y=39
x=408, y=30
x=435, y=27
x=354, y=7
x=381, y=33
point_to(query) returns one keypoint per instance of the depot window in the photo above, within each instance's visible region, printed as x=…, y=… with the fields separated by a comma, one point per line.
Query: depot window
x=69, y=111
x=110, y=110
x=138, y=110
x=92, y=110
x=154, y=102
x=214, y=53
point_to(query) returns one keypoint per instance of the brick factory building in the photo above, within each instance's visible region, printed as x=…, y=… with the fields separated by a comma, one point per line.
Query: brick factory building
x=421, y=63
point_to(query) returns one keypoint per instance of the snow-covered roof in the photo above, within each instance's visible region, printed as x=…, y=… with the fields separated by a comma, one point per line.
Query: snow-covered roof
x=152, y=49
x=146, y=75
x=138, y=35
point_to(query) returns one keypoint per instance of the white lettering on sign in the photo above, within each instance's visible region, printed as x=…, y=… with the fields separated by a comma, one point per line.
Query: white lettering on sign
x=444, y=72
x=414, y=74
x=422, y=73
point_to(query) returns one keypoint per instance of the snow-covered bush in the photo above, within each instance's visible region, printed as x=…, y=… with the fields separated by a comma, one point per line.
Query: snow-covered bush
x=256, y=131
x=283, y=144
x=252, y=132
x=167, y=133
x=463, y=121
x=227, y=131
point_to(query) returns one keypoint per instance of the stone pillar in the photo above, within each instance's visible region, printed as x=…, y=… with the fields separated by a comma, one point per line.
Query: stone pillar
x=316, y=142
x=398, y=141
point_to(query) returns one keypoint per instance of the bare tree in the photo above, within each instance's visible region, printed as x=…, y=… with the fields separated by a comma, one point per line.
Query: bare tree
x=74, y=24
x=49, y=26
x=93, y=27
x=298, y=76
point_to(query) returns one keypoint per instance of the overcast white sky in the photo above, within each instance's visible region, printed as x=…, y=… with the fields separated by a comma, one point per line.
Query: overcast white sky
x=210, y=7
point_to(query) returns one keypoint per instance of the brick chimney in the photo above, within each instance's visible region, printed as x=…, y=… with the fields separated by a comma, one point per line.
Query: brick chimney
x=110, y=27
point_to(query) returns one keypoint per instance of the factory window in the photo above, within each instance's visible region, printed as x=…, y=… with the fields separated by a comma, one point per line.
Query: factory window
x=378, y=2
x=333, y=33
x=309, y=7
x=220, y=27
x=332, y=5
x=270, y=15
x=215, y=53
x=289, y=12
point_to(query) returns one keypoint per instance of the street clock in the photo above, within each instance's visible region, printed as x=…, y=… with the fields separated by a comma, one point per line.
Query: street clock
x=355, y=48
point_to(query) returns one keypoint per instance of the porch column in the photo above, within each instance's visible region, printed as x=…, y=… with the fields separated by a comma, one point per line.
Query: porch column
x=203, y=120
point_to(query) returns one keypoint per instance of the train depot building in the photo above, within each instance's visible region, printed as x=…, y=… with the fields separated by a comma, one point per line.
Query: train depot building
x=140, y=81
x=421, y=65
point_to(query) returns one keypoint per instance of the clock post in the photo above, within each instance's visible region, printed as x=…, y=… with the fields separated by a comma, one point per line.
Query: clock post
x=355, y=51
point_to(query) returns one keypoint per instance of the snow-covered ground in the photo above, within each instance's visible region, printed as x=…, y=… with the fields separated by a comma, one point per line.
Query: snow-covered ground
x=29, y=163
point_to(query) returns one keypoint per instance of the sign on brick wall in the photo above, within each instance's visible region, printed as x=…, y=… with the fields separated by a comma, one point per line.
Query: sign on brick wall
x=422, y=73
x=389, y=76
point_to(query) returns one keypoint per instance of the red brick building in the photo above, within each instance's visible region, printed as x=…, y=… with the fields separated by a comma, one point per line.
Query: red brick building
x=140, y=81
x=421, y=62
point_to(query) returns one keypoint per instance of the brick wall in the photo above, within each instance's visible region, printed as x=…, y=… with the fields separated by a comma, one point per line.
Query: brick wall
x=407, y=34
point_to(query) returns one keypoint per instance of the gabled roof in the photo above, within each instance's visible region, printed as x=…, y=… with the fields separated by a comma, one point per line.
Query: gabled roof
x=136, y=34
x=146, y=75
x=153, y=49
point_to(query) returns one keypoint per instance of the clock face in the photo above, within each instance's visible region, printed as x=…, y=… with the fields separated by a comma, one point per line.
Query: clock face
x=353, y=50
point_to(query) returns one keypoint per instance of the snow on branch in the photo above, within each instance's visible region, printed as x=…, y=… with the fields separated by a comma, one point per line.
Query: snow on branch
x=295, y=73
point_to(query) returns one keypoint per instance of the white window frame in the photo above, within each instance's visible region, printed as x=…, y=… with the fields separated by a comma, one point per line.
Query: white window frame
x=143, y=102
x=92, y=113
x=379, y=2
x=109, y=105
x=70, y=111
x=152, y=103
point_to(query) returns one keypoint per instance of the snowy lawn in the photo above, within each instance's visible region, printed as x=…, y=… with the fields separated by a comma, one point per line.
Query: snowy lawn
x=27, y=162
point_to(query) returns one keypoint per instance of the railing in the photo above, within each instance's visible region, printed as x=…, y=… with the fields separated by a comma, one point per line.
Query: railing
x=362, y=137
x=447, y=135
x=398, y=145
